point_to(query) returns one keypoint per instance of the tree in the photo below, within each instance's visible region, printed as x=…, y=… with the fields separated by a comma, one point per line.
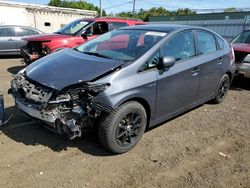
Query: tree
x=231, y=9
x=55, y=3
x=160, y=11
x=75, y=4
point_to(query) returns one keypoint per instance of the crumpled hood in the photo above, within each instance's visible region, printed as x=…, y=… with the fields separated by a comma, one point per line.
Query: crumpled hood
x=46, y=37
x=66, y=67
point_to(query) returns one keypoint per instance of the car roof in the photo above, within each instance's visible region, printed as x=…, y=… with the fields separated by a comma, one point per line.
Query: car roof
x=8, y=26
x=111, y=19
x=162, y=27
x=17, y=26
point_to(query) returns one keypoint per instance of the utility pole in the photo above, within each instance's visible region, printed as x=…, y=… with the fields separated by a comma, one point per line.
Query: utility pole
x=101, y=8
x=133, y=11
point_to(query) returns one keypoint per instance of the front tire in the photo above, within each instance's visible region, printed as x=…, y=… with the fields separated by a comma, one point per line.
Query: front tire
x=122, y=129
x=222, y=90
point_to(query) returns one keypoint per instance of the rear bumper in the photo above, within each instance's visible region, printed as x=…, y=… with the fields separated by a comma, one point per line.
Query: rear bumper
x=243, y=69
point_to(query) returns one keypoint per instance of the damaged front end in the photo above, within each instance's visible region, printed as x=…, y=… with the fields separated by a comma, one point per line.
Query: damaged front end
x=69, y=111
x=34, y=50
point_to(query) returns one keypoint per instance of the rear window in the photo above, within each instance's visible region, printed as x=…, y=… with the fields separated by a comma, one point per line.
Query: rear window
x=244, y=37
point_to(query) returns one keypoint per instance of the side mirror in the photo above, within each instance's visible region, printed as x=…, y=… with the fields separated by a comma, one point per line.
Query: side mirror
x=168, y=61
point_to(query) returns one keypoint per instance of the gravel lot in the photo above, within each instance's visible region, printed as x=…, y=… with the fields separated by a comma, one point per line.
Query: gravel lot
x=206, y=147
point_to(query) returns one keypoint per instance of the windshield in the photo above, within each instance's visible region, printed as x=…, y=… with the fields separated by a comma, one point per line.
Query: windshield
x=73, y=28
x=244, y=37
x=125, y=45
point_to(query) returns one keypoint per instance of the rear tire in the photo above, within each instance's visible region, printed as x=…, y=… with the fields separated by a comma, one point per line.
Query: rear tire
x=122, y=129
x=222, y=90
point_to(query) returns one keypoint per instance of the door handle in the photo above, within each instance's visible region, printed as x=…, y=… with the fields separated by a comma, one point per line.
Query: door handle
x=195, y=71
x=10, y=39
x=219, y=61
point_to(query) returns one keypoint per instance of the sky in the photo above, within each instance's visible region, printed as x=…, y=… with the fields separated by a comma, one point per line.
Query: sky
x=116, y=6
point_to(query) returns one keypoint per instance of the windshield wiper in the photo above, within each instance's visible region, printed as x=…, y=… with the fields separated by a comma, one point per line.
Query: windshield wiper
x=97, y=54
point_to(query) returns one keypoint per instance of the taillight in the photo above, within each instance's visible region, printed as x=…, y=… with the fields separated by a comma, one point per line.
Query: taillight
x=232, y=55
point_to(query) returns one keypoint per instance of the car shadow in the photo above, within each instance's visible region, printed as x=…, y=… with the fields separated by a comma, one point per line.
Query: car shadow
x=24, y=130
x=175, y=117
x=15, y=69
x=240, y=83
x=10, y=56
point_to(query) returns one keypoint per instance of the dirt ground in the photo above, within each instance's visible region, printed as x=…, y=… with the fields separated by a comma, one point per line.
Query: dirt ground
x=206, y=147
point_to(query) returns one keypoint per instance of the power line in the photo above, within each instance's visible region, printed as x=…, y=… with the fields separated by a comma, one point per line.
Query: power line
x=110, y=2
x=118, y=5
x=156, y=4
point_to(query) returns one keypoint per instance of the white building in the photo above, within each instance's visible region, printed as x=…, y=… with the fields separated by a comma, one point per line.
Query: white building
x=42, y=17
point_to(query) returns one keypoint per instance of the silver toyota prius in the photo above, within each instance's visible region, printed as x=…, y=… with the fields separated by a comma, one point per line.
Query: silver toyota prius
x=126, y=80
x=11, y=38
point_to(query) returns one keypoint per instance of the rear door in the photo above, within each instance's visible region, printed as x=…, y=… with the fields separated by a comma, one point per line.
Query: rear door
x=7, y=39
x=211, y=67
x=177, y=86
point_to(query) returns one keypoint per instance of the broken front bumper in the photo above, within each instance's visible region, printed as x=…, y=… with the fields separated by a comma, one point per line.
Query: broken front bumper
x=243, y=69
x=49, y=118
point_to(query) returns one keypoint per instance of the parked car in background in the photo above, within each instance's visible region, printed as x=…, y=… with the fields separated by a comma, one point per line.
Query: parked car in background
x=11, y=38
x=72, y=35
x=125, y=80
x=241, y=46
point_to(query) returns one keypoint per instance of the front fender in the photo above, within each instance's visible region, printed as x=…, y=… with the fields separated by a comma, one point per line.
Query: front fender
x=146, y=93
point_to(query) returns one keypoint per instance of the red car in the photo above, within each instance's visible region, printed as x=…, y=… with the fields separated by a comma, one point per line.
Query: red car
x=71, y=35
x=241, y=46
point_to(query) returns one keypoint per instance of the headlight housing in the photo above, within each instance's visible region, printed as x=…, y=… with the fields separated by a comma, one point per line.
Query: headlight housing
x=97, y=88
x=65, y=97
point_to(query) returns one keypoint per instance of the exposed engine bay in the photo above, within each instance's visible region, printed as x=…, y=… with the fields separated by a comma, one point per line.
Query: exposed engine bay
x=69, y=111
x=33, y=51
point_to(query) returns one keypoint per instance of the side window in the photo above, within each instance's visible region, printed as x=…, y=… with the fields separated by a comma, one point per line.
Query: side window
x=24, y=31
x=181, y=46
x=30, y=31
x=206, y=42
x=116, y=25
x=220, y=43
x=151, y=63
x=7, y=32
x=100, y=28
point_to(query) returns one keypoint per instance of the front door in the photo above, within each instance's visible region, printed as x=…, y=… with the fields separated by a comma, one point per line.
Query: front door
x=177, y=87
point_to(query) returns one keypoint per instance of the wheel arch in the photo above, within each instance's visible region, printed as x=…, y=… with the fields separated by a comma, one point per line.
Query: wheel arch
x=144, y=103
x=230, y=75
